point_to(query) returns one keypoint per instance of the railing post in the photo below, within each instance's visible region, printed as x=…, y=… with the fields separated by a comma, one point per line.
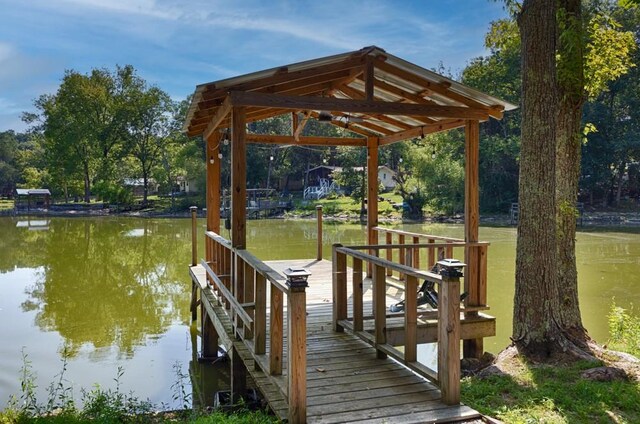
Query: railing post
x=357, y=295
x=339, y=287
x=389, y=240
x=275, y=332
x=449, y=333
x=297, y=345
x=260, y=316
x=380, y=307
x=194, y=235
x=319, y=215
x=411, y=320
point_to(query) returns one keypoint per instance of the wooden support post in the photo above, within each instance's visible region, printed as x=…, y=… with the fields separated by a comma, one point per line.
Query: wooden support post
x=431, y=257
x=260, y=316
x=238, y=178
x=411, y=320
x=372, y=193
x=249, y=275
x=194, y=301
x=380, y=308
x=415, y=260
x=238, y=287
x=275, y=343
x=297, y=353
x=449, y=337
x=339, y=288
x=209, y=336
x=357, y=295
x=389, y=240
x=194, y=235
x=472, y=348
x=238, y=377
x=402, y=254
x=213, y=190
x=319, y=215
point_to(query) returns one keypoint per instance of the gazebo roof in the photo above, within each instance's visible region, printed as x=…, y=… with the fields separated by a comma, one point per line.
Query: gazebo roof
x=368, y=91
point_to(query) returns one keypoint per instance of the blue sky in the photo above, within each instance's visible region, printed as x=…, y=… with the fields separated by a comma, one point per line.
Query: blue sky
x=177, y=44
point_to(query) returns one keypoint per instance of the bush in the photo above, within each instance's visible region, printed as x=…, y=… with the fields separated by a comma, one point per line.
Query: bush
x=624, y=330
x=113, y=194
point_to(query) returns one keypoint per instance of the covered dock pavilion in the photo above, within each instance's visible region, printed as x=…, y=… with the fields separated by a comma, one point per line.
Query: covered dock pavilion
x=383, y=99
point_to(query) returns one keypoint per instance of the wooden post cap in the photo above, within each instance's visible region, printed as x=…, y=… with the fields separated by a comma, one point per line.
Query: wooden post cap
x=193, y=208
x=319, y=207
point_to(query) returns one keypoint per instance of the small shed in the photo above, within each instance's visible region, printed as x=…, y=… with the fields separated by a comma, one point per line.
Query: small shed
x=32, y=198
x=322, y=172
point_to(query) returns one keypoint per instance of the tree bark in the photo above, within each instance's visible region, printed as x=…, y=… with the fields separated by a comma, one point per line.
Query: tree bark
x=568, y=152
x=536, y=316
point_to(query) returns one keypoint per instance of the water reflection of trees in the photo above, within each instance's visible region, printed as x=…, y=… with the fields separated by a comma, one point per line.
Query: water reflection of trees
x=110, y=282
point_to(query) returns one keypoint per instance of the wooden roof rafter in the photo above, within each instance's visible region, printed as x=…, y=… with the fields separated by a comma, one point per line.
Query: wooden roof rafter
x=369, y=92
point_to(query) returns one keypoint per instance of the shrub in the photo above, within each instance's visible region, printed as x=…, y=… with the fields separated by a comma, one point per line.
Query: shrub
x=624, y=330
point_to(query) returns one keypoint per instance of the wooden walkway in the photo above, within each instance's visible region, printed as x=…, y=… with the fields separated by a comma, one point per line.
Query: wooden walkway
x=345, y=380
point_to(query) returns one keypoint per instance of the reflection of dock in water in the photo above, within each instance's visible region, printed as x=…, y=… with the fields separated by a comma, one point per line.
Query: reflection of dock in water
x=34, y=224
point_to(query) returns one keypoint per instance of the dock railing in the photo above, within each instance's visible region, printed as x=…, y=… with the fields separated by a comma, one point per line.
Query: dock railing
x=379, y=259
x=474, y=255
x=240, y=282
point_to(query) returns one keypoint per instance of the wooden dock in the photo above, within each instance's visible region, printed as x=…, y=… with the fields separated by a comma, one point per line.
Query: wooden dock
x=346, y=381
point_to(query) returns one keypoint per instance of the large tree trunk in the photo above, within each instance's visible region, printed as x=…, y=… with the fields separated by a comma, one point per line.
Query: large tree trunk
x=536, y=316
x=569, y=136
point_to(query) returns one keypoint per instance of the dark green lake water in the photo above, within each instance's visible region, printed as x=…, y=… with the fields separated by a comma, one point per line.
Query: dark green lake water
x=115, y=292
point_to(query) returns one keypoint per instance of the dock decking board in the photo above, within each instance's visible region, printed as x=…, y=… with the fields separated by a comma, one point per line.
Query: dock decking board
x=345, y=380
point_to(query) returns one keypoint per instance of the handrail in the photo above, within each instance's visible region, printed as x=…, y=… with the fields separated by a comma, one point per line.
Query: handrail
x=237, y=307
x=411, y=234
x=265, y=270
x=417, y=245
x=218, y=238
x=406, y=270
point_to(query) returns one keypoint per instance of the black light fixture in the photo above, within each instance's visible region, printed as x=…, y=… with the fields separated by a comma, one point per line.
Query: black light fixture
x=325, y=116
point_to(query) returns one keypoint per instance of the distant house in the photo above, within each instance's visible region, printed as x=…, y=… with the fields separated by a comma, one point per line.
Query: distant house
x=186, y=185
x=32, y=198
x=137, y=186
x=385, y=176
x=322, y=172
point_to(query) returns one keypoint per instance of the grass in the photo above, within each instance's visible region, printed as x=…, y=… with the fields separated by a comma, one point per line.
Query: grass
x=347, y=205
x=558, y=394
x=553, y=394
x=111, y=405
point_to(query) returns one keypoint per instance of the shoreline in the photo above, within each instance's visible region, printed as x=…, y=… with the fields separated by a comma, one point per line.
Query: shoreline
x=590, y=219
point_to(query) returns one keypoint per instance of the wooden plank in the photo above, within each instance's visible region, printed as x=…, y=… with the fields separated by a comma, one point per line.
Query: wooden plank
x=306, y=140
x=435, y=415
x=354, y=106
x=213, y=183
x=260, y=315
x=449, y=340
x=220, y=114
x=471, y=327
x=415, y=259
x=339, y=282
x=443, y=125
x=238, y=179
x=411, y=320
x=472, y=348
x=249, y=275
x=379, y=287
x=235, y=304
x=357, y=294
x=275, y=332
x=369, y=78
x=372, y=191
x=441, y=88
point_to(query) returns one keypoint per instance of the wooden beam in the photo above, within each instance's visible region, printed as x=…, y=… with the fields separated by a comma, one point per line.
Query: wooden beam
x=222, y=112
x=286, y=77
x=238, y=178
x=472, y=348
x=305, y=140
x=369, y=78
x=425, y=129
x=300, y=125
x=372, y=190
x=213, y=183
x=357, y=94
x=440, y=88
x=355, y=106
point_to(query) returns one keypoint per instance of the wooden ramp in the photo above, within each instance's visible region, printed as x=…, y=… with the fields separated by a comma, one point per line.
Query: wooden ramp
x=345, y=380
